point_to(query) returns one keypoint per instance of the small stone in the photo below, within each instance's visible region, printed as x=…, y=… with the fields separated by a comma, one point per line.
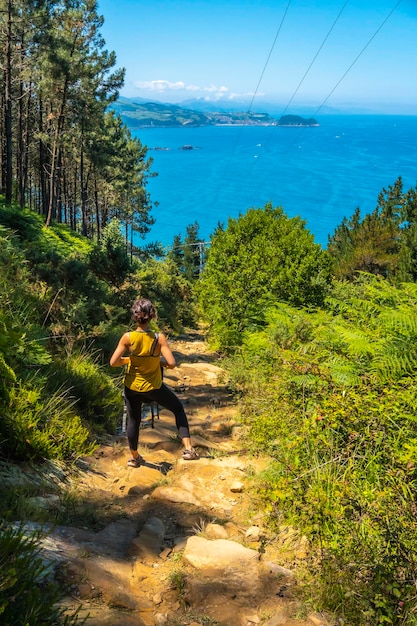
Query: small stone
x=216, y=531
x=157, y=598
x=179, y=544
x=44, y=503
x=237, y=432
x=165, y=553
x=253, y=533
x=278, y=570
x=237, y=487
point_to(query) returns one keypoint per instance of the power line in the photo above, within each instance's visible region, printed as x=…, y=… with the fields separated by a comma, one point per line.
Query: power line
x=359, y=55
x=307, y=71
x=339, y=81
x=269, y=56
x=315, y=56
x=255, y=93
x=298, y=86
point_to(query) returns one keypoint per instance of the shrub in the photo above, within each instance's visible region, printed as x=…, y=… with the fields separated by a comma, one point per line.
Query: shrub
x=94, y=393
x=171, y=293
x=262, y=257
x=38, y=425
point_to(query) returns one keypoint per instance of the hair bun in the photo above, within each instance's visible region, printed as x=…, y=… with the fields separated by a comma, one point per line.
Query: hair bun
x=143, y=311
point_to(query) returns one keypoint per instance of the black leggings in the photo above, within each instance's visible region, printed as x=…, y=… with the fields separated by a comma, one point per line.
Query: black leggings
x=163, y=396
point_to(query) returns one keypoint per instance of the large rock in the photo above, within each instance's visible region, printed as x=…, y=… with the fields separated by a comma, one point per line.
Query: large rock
x=147, y=546
x=115, y=538
x=111, y=579
x=220, y=554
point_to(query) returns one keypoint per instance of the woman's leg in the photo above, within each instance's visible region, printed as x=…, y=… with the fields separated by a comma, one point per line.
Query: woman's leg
x=167, y=399
x=133, y=401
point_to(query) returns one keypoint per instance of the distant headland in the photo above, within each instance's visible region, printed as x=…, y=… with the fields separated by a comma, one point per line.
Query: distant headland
x=297, y=120
x=160, y=115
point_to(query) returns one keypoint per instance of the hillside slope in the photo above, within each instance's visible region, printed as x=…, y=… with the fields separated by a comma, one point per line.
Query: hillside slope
x=157, y=114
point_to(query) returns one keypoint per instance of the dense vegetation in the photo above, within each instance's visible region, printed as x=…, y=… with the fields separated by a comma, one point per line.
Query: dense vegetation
x=28, y=595
x=261, y=257
x=384, y=242
x=330, y=395
x=63, y=303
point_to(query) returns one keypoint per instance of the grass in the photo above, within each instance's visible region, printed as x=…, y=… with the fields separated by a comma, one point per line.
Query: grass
x=215, y=453
x=199, y=529
x=177, y=580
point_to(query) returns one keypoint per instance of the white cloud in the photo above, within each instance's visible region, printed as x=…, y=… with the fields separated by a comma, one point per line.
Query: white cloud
x=162, y=86
x=210, y=93
x=159, y=85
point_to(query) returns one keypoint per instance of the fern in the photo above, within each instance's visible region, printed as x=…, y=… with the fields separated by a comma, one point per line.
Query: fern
x=358, y=343
x=342, y=371
x=394, y=365
x=401, y=320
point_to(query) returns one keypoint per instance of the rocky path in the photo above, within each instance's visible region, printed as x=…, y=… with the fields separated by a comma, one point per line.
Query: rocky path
x=182, y=543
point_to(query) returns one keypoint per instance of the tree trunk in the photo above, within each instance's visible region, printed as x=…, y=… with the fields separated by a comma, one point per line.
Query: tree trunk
x=44, y=203
x=8, y=109
x=97, y=208
x=54, y=156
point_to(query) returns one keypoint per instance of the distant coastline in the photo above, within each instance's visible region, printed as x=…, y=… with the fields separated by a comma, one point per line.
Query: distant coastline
x=159, y=115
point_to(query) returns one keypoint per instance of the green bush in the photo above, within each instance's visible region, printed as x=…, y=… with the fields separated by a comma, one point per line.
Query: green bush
x=171, y=293
x=95, y=395
x=38, y=425
x=261, y=258
x=108, y=258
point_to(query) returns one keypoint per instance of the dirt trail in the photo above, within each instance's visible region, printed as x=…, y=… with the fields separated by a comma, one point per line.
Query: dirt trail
x=181, y=543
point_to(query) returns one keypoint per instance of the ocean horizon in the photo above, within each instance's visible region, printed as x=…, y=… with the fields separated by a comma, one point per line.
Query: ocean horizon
x=321, y=174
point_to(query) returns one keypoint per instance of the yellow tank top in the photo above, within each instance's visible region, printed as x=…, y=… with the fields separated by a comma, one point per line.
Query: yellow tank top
x=144, y=370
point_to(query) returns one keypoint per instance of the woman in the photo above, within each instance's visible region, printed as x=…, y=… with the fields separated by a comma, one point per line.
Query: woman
x=147, y=353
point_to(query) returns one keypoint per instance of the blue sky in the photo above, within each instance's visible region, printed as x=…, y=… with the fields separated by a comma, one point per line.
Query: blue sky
x=292, y=52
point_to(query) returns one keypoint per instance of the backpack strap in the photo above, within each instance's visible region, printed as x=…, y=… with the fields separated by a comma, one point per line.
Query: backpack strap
x=154, y=344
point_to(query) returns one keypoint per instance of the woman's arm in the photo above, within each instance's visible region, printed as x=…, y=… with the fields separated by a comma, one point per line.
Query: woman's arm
x=117, y=358
x=167, y=359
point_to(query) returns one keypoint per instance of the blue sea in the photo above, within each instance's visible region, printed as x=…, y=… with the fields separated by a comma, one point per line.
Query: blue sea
x=321, y=174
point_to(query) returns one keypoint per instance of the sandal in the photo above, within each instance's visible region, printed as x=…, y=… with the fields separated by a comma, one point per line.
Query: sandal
x=135, y=462
x=190, y=455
